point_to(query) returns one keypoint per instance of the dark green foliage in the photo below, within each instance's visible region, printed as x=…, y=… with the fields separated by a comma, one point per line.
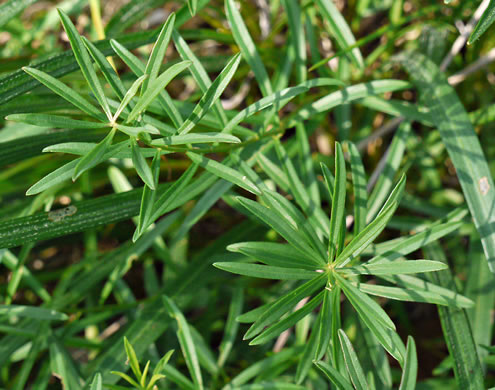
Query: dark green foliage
x=294, y=172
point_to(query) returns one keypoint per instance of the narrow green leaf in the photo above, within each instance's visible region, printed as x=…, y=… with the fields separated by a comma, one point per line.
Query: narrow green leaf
x=317, y=217
x=157, y=87
x=396, y=267
x=141, y=166
x=307, y=228
x=480, y=289
x=247, y=46
x=410, y=370
x=132, y=358
x=335, y=376
x=384, y=183
x=62, y=364
x=185, y=340
x=38, y=313
x=231, y=326
x=95, y=156
x=129, y=94
x=158, y=53
x=211, y=95
x=224, y=172
x=364, y=303
x=339, y=28
x=324, y=330
x=347, y=95
x=359, y=188
x=170, y=196
x=455, y=325
x=307, y=165
x=84, y=62
x=97, y=383
x=148, y=199
x=54, y=121
x=108, y=72
x=279, y=99
x=281, y=226
x=354, y=368
x=416, y=295
x=485, y=21
x=252, y=315
x=275, y=254
x=199, y=74
x=64, y=91
x=265, y=271
x=462, y=143
x=138, y=69
x=402, y=247
x=329, y=179
x=298, y=40
x=263, y=367
x=164, y=360
x=366, y=237
x=307, y=358
x=283, y=305
x=196, y=138
x=276, y=329
x=338, y=204
x=193, y=6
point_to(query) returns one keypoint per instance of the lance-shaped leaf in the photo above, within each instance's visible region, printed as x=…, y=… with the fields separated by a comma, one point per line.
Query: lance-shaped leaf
x=354, y=368
x=108, y=72
x=265, y=271
x=95, y=156
x=324, y=330
x=279, y=99
x=64, y=91
x=366, y=237
x=275, y=254
x=224, y=172
x=141, y=166
x=462, y=143
x=485, y=21
x=148, y=199
x=173, y=193
x=211, y=96
x=196, y=138
x=276, y=329
x=84, y=61
x=410, y=370
x=97, y=383
x=359, y=188
x=281, y=226
x=339, y=28
x=158, y=53
x=335, y=376
x=283, y=305
x=54, y=121
x=132, y=358
x=392, y=162
x=364, y=303
x=138, y=69
x=396, y=267
x=417, y=295
x=157, y=87
x=38, y=313
x=231, y=326
x=349, y=94
x=186, y=341
x=247, y=46
x=338, y=204
x=129, y=94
